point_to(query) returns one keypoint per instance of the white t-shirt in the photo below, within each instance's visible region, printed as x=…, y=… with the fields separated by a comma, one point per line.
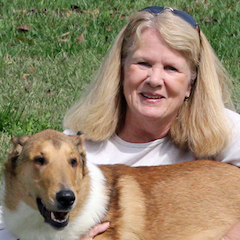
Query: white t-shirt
x=158, y=152
x=116, y=150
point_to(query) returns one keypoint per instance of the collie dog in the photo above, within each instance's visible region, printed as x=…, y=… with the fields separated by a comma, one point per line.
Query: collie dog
x=52, y=192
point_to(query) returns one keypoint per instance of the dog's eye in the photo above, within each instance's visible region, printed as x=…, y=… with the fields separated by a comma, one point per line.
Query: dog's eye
x=40, y=160
x=73, y=162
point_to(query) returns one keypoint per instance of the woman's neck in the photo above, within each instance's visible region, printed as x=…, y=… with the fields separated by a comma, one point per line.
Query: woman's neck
x=139, y=131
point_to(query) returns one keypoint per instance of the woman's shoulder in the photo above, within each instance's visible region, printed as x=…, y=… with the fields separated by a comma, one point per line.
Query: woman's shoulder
x=231, y=154
x=232, y=113
x=233, y=121
x=234, y=116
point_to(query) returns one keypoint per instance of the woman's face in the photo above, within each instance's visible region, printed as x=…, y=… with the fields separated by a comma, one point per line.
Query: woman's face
x=156, y=79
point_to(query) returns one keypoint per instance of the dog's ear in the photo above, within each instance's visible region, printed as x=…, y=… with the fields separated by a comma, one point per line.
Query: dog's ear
x=14, y=153
x=78, y=140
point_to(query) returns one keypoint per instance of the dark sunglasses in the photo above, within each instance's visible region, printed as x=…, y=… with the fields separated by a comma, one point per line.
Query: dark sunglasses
x=155, y=10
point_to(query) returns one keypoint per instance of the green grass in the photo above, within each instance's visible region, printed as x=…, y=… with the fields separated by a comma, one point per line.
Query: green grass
x=45, y=69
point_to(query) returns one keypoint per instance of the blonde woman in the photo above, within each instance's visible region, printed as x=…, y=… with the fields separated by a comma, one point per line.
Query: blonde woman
x=160, y=97
x=198, y=125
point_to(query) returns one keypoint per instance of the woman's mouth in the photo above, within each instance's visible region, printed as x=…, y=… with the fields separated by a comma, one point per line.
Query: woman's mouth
x=151, y=96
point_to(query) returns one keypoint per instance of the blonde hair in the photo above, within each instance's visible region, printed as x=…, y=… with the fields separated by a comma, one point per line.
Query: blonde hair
x=201, y=125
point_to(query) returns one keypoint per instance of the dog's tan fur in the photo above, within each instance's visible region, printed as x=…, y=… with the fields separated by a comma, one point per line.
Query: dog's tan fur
x=197, y=200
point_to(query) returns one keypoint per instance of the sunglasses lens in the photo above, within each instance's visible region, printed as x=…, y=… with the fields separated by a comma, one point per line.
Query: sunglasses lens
x=156, y=10
x=186, y=17
x=153, y=9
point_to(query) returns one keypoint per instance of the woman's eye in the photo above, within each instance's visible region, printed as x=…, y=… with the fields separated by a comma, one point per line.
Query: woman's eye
x=171, y=68
x=144, y=64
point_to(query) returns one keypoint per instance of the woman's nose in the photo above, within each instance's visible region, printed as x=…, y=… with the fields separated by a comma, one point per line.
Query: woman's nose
x=155, y=77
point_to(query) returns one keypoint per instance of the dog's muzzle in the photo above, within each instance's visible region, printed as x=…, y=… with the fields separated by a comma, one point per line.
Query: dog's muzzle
x=60, y=218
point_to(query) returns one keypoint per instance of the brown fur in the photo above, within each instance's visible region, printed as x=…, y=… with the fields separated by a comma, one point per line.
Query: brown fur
x=197, y=200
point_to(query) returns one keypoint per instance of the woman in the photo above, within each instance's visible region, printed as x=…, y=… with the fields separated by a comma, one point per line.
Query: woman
x=191, y=95
x=160, y=97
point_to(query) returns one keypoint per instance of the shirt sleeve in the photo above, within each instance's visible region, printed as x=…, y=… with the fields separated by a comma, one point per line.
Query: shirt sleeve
x=231, y=154
x=4, y=233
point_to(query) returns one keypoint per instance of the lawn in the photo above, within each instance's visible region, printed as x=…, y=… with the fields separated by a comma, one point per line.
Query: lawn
x=50, y=50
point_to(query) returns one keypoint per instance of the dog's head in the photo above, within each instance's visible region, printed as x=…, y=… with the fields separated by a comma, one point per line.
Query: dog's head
x=46, y=171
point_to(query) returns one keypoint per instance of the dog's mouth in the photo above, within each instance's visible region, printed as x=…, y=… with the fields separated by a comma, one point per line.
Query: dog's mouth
x=57, y=220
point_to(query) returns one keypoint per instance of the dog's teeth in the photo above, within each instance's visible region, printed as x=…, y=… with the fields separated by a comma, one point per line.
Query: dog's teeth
x=59, y=220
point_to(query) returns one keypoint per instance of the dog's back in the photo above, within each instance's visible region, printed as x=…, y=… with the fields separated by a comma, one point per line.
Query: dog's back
x=193, y=200
x=66, y=196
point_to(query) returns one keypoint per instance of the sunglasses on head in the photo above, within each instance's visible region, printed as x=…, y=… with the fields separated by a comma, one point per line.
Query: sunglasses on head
x=155, y=10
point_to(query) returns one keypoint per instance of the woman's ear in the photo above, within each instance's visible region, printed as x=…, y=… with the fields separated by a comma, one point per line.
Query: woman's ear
x=188, y=91
x=191, y=84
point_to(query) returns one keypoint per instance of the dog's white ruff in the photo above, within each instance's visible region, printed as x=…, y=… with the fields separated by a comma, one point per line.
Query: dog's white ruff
x=28, y=224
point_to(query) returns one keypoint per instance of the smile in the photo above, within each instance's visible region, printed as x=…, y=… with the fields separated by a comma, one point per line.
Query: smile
x=57, y=220
x=151, y=96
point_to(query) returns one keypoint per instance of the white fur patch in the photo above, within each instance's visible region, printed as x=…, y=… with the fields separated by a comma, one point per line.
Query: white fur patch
x=28, y=224
x=97, y=203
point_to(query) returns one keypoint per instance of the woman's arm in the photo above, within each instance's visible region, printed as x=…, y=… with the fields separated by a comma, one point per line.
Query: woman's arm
x=234, y=233
x=100, y=228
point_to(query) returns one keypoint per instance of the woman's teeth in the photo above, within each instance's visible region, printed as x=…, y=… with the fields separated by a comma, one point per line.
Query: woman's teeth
x=151, y=96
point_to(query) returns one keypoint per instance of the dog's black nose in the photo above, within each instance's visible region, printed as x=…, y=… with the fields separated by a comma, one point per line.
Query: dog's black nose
x=65, y=198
